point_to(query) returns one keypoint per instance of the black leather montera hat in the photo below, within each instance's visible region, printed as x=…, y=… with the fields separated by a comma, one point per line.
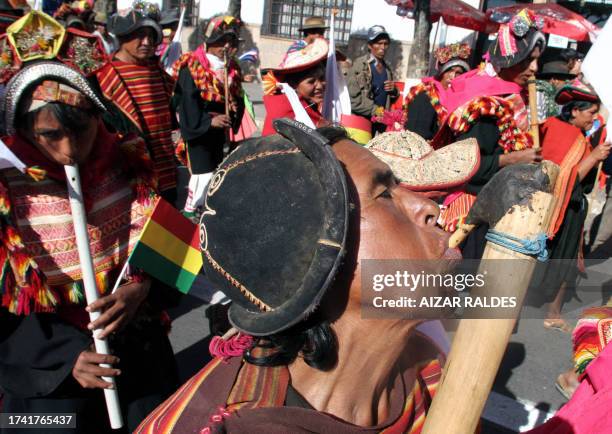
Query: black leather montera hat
x=516, y=39
x=274, y=226
x=141, y=14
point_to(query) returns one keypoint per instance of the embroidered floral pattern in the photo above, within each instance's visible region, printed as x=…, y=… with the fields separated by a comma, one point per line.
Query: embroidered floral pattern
x=36, y=41
x=83, y=53
x=8, y=64
x=453, y=51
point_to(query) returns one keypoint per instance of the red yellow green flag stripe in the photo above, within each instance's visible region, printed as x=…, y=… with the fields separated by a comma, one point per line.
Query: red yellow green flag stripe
x=358, y=128
x=169, y=248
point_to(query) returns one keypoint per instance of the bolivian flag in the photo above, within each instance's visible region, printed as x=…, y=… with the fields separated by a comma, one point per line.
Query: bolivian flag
x=358, y=128
x=169, y=248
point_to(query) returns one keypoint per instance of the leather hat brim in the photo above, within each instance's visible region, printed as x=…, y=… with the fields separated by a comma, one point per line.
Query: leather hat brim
x=167, y=22
x=301, y=29
x=454, y=62
x=303, y=291
x=220, y=36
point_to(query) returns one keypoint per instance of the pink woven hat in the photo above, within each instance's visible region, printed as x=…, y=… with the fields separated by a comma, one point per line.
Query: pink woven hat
x=452, y=55
x=421, y=168
x=304, y=59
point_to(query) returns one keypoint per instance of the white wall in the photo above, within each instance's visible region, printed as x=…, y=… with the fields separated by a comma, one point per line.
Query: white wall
x=126, y=4
x=251, y=12
x=366, y=13
x=456, y=34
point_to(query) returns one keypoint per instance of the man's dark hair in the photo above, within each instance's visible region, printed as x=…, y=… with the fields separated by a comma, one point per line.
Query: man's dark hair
x=294, y=79
x=566, y=110
x=570, y=54
x=319, y=31
x=313, y=338
x=73, y=119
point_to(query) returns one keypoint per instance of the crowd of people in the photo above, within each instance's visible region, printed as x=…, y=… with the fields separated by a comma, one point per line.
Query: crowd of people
x=286, y=217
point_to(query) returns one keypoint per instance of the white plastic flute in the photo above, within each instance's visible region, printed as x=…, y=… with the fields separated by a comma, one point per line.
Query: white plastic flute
x=77, y=208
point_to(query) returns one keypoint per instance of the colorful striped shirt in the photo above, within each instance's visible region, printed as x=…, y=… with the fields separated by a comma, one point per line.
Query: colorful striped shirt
x=200, y=405
x=142, y=93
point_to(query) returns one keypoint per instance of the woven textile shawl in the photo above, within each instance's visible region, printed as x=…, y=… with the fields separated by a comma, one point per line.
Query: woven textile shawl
x=38, y=252
x=142, y=93
x=205, y=79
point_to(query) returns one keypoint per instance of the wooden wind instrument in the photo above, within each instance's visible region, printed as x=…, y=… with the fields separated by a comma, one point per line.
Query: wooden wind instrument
x=479, y=344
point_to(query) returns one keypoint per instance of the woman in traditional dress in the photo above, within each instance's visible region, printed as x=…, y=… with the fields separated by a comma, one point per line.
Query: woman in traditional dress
x=296, y=88
x=47, y=361
x=424, y=112
x=564, y=142
x=489, y=104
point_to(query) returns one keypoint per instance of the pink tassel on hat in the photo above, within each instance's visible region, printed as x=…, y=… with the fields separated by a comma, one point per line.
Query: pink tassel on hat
x=231, y=344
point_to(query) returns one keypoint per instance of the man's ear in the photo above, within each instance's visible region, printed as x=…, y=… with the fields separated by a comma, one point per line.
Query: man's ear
x=575, y=112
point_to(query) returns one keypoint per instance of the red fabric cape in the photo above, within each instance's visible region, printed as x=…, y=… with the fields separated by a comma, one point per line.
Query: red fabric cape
x=115, y=89
x=566, y=146
x=465, y=88
x=277, y=106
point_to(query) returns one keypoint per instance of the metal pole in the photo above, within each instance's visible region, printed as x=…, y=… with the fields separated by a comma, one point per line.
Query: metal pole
x=443, y=33
x=79, y=217
x=432, y=63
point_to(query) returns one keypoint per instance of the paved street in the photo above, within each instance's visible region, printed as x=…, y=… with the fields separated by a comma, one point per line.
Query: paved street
x=524, y=391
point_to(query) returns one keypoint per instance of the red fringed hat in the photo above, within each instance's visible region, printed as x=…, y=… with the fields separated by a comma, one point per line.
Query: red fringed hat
x=452, y=55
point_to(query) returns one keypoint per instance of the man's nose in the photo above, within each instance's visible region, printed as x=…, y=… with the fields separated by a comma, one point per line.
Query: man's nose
x=424, y=212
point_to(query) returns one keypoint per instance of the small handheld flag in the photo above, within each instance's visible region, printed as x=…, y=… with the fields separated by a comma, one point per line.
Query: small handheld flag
x=358, y=128
x=8, y=159
x=337, y=101
x=249, y=56
x=169, y=248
